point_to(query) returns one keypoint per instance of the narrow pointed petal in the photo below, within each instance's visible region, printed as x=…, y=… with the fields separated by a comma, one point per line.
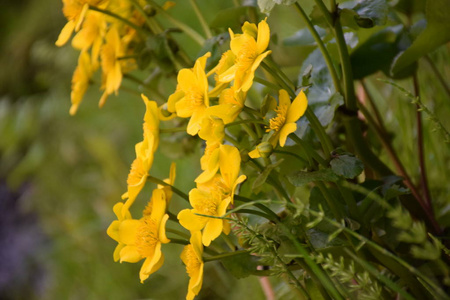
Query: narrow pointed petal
x=297, y=108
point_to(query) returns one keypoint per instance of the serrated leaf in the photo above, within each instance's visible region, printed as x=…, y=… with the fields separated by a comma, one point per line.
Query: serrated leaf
x=435, y=34
x=240, y=266
x=302, y=178
x=347, y=165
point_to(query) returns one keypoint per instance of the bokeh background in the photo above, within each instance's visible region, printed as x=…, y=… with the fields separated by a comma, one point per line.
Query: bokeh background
x=61, y=175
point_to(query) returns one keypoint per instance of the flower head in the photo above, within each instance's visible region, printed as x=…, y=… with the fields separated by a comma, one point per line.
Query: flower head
x=287, y=115
x=113, y=229
x=192, y=258
x=248, y=49
x=80, y=81
x=191, y=97
x=143, y=238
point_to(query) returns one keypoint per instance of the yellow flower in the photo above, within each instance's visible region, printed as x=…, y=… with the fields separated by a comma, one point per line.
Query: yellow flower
x=226, y=61
x=231, y=103
x=75, y=12
x=212, y=130
x=91, y=35
x=287, y=115
x=248, y=49
x=113, y=229
x=205, y=203
x=191, y=97
x=111, y=66
x=143, y=238
x=80, y=81
x=192, y=258
x=227, y=159
x=171, y=180
x=139, y=169
x=151, y=120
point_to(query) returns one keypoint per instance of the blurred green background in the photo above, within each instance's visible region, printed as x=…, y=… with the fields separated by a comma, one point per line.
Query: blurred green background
x=60, y=175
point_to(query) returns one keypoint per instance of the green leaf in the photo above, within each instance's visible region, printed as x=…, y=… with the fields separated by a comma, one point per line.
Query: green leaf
x=261, y=179
x=325, y=112
x=303, y=37
x=240, y=266
x=370, y=13
x=435, y=34
x=376, y=53
x=230, y=17
x=266, y=6
x=347, y=165
x=302, y=178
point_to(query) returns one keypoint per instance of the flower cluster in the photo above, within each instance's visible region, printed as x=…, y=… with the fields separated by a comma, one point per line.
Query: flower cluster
x=210, y=100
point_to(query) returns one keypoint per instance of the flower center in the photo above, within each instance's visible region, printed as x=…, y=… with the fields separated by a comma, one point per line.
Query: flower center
x=147, y=237
x=137, y=172
x=208, y=206
x=191, y=260
x=278, y=122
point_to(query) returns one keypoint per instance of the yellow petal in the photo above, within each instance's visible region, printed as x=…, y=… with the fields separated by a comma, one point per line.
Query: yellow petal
x=65, y=34
x=196, y=242
x=128, y=230
x=186, y=79
x=213, y=229
x=173, y=99
x=116, y=254
x=162, y=230
x=195, y=121
x=254, y=153
x=297, y=108
x=158, y=205
x=230, y=162
x=190, y=221
x=263, y=38
x=129, y=254
x=285, y=131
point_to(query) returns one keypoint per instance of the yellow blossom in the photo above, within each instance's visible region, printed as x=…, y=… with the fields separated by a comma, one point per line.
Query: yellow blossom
x=248, y=49
x=113, y=229
x=111, y=66
x=212, y=130
x=143, y=238
x=80, y=81
x=207, y=203
x=151, y=120
x=226, y=61
x=192, y=258
x=75, y=12
x=231, y=103
x=287, y=115
x=191, y=97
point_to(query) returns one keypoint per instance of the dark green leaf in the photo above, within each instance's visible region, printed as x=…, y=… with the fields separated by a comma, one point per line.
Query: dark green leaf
x=347, y=165
x=435, y=34
x=325, y=113
x=302, y=178
x=372, y=12
x=240, y=266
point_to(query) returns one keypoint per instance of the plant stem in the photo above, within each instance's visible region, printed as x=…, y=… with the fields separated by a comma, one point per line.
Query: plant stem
x=224, y=255
x=174, y=189
x=291, y=154
x=309, y=150
x=267, y=83
x=201, y=19
x=188, y=30
x=420, y=146
x=325, y=12
x=322, y=48
x=438, y=75
x=141, y=31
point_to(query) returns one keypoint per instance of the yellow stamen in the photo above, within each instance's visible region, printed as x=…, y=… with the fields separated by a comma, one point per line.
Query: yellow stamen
x=147, y=237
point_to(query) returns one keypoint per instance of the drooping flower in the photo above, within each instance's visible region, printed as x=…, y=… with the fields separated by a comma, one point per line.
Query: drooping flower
x=80, y=81
x=191, y=97
x=75, y=12
x=139, y=168
x=143, y=238
x=287, y=115
x=192, y=258
x=111, y=51
x=208, y=203
x=113, y=229
x=248, y=49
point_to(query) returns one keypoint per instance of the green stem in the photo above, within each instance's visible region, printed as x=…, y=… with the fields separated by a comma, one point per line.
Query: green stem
x=438, y=75
x=201, y=19
x=174, y=189
x=224, y=255
x=322, y=48
x=188, y=30
x=273, y=181
x=309, y=150
x=177, y=232
x=147, y=19
x=254, y=212
x=330, y=201
x=274, y=217
x=350, y=201
x=349, y=88
x=291, y=154
x=141, y=31
x=179, y=241
x=253, y=121
x=325, y=12
x=267, y=83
